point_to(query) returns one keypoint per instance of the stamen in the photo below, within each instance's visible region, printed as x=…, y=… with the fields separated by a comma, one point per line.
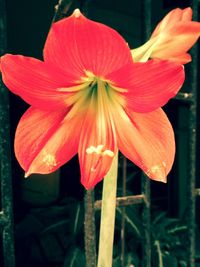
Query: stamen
x=89, y=77
x=94, y=168
x=108, y=153
x=90, y=150
x=89, y=74
x=100, y=151
x=118, y=89
x=75, y=88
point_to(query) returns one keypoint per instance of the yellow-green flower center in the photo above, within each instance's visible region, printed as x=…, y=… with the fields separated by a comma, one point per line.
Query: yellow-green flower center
x=94, y=91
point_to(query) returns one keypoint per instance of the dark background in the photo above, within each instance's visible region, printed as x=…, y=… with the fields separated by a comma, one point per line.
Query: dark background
x=28, y=23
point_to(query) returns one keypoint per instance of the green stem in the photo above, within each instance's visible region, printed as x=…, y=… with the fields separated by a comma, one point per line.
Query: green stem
x=108, y=216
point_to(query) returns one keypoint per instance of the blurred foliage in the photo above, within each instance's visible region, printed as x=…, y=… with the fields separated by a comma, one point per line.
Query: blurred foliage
x=53, y=237
x=168, y=239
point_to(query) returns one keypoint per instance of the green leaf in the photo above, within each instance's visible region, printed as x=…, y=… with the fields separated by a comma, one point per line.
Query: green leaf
x=131, y=222
x=116, y=262
x=74, y=258
x=170, y=261
x=132, y=260
x=56, y=227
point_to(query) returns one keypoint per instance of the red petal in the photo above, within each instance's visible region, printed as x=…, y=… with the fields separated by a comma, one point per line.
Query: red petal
x=97, y=133
x=45, y=140
x=171, y=19
x=35, y=81
x=186, y=14
x=147, y=140
x=78, y=44
x=150, y=85
x=177, y=40
x=181, y=59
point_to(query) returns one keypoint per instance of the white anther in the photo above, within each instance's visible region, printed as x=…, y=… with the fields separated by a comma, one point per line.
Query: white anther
x=100, y=151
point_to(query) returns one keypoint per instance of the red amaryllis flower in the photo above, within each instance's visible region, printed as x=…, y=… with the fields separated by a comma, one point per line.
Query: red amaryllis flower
x=171, y=39
x=88, y=96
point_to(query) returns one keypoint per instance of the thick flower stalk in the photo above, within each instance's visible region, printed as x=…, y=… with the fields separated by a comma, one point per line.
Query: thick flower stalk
x=88, y=97
x=171, y=39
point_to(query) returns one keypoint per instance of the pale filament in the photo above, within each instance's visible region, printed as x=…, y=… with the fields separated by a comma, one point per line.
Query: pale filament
x=99, y=151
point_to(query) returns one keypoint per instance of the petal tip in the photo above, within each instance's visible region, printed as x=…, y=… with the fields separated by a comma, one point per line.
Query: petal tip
x=27, y=174
x=77, y=13
x=163, y=180
x=158, y=173
x=87, y=184
x=157, y=178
